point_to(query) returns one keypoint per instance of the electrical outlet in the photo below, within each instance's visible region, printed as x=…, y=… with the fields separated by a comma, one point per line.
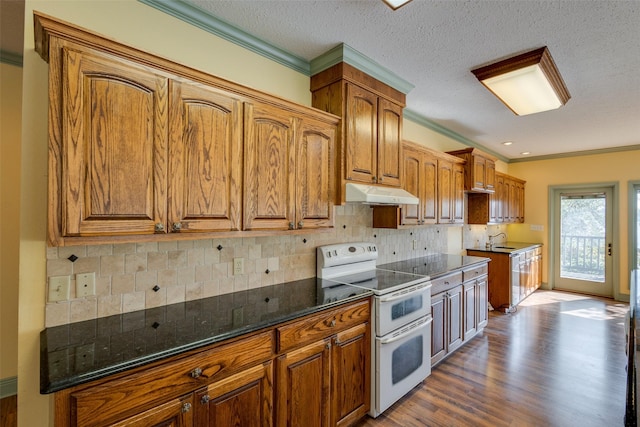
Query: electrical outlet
x=238, y=266
x=85, y=284
x=415, y=244
x=59, y=288
x=238, y=316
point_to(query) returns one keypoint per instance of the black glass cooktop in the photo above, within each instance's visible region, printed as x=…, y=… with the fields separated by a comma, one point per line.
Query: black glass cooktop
x=432, y=265
x=381, y=281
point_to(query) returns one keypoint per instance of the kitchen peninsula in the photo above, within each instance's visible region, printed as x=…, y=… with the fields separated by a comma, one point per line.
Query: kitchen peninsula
x=515, y=272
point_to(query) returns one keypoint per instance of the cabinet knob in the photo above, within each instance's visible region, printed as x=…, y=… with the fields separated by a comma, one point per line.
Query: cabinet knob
x=196, y=373
x=380, y=179
x=159, y=227
x=205, y=399
x=300, y=224
x=186, y=407
x=327, y=345
x=291, y=225
x=333, y=323
x=177, y=226
x=374, y=179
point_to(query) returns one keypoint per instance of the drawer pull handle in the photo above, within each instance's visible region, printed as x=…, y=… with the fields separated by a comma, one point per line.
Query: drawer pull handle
x=196, y=373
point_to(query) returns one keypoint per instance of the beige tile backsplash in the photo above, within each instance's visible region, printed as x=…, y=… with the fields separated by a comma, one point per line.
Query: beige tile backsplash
x=187, y=270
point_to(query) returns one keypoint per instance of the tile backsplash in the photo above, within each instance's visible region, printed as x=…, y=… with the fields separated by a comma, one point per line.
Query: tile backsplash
x=131, y=277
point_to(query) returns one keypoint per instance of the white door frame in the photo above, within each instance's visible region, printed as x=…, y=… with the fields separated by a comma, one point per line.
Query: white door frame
x=615, y=238
x=632, y=202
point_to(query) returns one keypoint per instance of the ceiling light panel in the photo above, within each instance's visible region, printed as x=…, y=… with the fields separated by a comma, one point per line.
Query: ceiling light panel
x=395, y=4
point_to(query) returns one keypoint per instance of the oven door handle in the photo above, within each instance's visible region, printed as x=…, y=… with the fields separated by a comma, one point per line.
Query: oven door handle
x=399, y=295
x=404, y=334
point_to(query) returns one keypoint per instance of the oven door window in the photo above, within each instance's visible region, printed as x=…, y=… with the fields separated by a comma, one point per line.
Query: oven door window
x=393, y=311
x=407, y=359
x=406, y=307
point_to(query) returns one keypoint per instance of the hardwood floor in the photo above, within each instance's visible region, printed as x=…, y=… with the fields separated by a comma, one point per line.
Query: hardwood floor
x=559, y=360
x=8, y=409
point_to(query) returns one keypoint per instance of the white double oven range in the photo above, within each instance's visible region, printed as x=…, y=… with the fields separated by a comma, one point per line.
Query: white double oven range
x=401, y=324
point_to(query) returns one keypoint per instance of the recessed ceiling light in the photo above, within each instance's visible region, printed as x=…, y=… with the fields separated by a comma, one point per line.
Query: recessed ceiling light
x=525, y=153
x=507, y=143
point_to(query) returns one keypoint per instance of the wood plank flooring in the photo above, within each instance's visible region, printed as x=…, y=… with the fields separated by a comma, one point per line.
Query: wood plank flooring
x=559, y=360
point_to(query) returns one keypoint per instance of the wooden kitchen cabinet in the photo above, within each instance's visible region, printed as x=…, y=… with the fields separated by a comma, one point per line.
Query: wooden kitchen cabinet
x=289, y=171
x=504, y=206
x=244, y=399
x=450, y=192
x=323, y=375
x=479, y=170
x=144, y=149
x=420, y=179
x=447, y=331
x=369, y=144
x=314, y=370
x=476, y=310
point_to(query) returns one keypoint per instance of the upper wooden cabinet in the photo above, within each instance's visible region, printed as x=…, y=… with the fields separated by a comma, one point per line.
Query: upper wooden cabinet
x=504, y=206
x=369, y=144
x=479, y=171
x=288, y=170
x=142, y=148
x=437, y=179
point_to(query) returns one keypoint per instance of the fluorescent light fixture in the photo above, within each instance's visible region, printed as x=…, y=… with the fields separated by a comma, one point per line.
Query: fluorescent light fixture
x=527, y=83
x=396, y=4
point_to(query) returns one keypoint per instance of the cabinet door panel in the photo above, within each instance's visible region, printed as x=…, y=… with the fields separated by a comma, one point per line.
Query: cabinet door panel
x=438, y=327
x=303, y=386
x=457, y=190
x=114, y=146
x=205, y=159
x=479, y=173
x=315, y=176
x=454, y=315
x=445, y=182
x=243, y=399
x=470, y=307
x=482, y=294
x=389, y=142
x=175, y=413
x=430, y=190
x=411, y=214
x=269, y=161
x=351, y=375
x=362, y=132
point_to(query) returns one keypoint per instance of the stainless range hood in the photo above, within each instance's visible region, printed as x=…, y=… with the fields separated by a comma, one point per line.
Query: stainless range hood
x=377, y=195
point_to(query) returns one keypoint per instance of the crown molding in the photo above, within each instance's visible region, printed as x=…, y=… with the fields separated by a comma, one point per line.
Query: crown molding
x=10, y=58
x=423, y=121
x=345, y=53
x=577, y=153
x=204, y=20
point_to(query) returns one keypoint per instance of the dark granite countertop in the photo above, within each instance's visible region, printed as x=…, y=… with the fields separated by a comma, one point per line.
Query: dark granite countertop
x=434, y=265
x=507, y=247
x=84, y=351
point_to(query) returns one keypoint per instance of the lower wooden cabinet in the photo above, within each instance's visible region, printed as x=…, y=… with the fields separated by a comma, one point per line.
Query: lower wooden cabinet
x=459, y=307
x=313, y=371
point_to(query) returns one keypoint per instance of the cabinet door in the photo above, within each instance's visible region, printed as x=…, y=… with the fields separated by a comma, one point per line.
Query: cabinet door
x=482, y=302
x=496, y=201
x=479, y=173
x=490, y=175
x=445, y=185
x=454, y=318
x=205, y=151
x=175, y=413
x=457, y=191
x=303, y=386
x=315, y=176
x=413, y=183
x=389, y=143
x=351, y=375
x=429, y=196
x=362, y=133
x=438, y=327
x=244, y=399
x=470, y=308
x=114, y=146
x=269, y=168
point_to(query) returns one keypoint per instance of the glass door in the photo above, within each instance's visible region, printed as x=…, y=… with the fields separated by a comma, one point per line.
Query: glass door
x=583, y=246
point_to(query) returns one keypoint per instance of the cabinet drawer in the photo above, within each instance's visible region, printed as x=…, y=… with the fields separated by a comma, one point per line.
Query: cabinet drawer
x=113, y=400
x=446, y=282
x=473, y=272
x=322, y=325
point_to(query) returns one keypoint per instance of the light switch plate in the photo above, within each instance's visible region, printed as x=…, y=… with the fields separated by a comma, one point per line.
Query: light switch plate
x=59, y=288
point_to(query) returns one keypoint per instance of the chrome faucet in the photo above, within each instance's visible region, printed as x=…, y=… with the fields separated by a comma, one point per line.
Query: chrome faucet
x=490, y=244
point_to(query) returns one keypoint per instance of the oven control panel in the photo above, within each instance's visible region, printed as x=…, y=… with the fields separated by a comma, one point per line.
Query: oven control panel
x=346, y=253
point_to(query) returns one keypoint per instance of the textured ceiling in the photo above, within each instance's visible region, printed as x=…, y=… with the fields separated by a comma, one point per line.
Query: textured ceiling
x=435, y=44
